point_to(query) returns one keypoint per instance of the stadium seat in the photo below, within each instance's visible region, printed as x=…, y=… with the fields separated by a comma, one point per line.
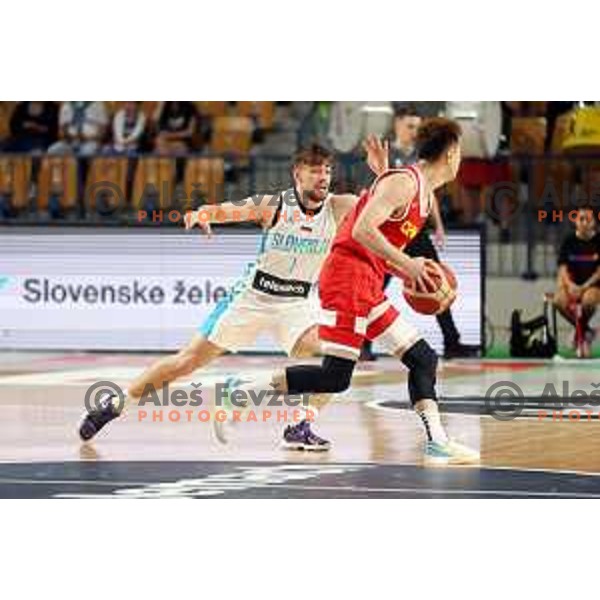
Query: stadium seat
x=589, y=176
x=232, y=135
x=6, y=111
x=558, y=179
x=528, y=136
x=583, y=133
x=203, y=182
x=263, y=111
x=106, y=184
x=112, y=106
x=528, y=109
x=554, y=176
x=527, y=140
x=562, y=128
x=153, y=183
x=211, y=109
x=57, y=183
x=149, y=107
x=15, y=175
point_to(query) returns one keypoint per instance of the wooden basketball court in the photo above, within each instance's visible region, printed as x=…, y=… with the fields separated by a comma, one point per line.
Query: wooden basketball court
x=377, y=440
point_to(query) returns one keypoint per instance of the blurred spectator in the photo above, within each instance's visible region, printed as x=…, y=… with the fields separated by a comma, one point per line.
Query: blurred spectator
x=315, y=126
x=176, y=123
x=128, y=128
x=376, y=118
x=82, y=128
x=33, y=126
x=402, y=146
x=346, y=126
x=425, y=108
x=346, y=121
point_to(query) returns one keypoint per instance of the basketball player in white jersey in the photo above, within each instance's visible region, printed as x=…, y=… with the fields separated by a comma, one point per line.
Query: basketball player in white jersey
x=299, y=225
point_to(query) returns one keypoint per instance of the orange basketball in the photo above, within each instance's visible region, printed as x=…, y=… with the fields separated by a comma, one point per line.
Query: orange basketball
x=436, y=300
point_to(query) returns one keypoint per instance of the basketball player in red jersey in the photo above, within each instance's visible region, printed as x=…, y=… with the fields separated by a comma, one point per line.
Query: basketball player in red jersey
x=369, y=244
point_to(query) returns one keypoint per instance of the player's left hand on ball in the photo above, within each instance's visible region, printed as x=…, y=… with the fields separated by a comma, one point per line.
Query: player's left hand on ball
x=417, y=271
x=377, y=154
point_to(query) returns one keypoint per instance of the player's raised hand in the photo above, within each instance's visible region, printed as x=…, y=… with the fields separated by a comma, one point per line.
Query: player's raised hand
x=193, y=218
x=377, y=154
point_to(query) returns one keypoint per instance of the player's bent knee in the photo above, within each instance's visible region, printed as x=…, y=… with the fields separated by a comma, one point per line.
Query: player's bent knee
x=420, y=355
x=422, y=362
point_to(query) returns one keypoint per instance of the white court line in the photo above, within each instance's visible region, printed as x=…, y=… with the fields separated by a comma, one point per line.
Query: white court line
x=550, y=471
x=369, y=490
x=374, y=404
x=527, y=413
x=316, y=488
x=81, y=377
x=74, y=377
x=78, y=377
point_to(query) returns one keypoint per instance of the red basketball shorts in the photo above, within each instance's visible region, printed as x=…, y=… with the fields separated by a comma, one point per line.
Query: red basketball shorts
x=354, y=307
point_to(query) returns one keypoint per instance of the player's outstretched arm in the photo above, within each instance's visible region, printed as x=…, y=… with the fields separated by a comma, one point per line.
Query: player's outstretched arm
x=393, y=194
x=258, y=208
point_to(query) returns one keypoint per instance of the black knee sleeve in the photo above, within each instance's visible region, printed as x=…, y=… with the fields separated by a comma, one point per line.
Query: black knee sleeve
x=332, y=376
x=421, y=361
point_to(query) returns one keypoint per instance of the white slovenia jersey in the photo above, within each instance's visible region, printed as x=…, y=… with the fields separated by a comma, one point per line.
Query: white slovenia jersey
x=293, y=248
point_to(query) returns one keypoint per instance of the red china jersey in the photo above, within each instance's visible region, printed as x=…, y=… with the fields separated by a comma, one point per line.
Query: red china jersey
x=398, y=230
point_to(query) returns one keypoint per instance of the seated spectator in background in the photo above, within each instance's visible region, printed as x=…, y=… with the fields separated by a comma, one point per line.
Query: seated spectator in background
x=402, y=145
x=578, y=278
x=83, y=126
x=176, y=123
x=33, y=126
x=128, y=128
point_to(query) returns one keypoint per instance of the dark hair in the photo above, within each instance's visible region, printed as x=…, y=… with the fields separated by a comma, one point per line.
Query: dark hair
x=435, y=136
x=406, y=111
x=313, y=155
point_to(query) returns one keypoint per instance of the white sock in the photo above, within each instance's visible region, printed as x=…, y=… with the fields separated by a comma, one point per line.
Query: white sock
x=432, y=423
